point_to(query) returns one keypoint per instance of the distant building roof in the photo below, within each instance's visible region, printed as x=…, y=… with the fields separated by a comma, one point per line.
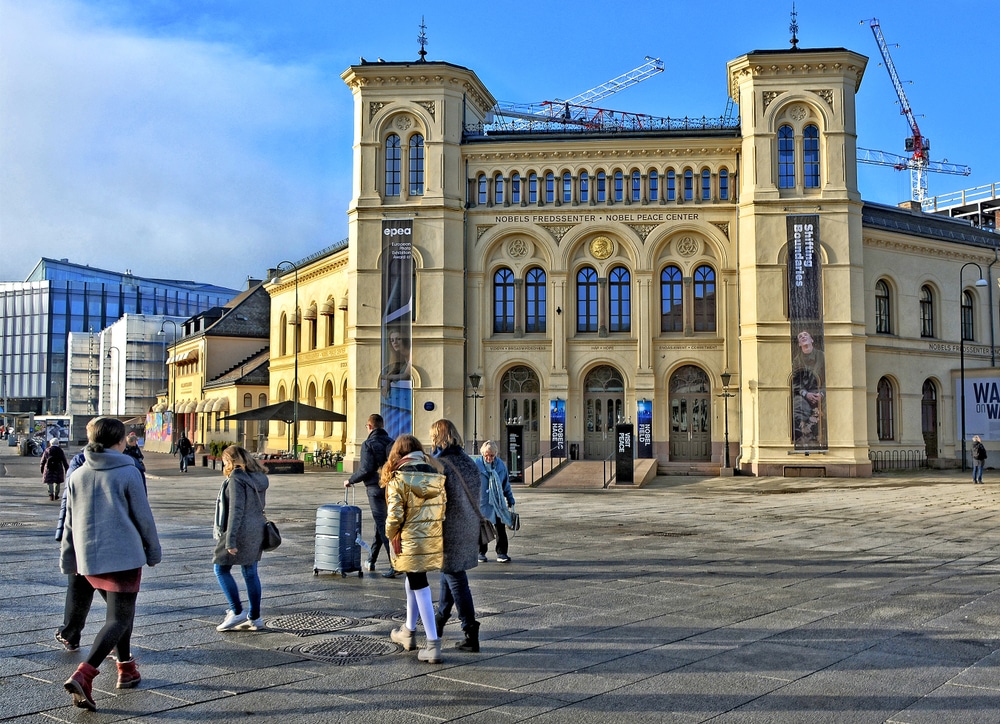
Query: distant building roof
x=930, y=226
x=65, y=270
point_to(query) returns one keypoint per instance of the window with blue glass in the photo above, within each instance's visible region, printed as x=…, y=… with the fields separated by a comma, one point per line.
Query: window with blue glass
x=723, y=184
x=704, y=299
x=586, y=300
x=654, y=186
x=602, y=186
x=688, y=185
x=636, y=186
x=393, y=165
x=619, y=186
x=482, y=195
x=498, y=189
x=416, y=170
x=706, y=185
x=503, y=301
x=786, y=157
x=567, y=188
x=584, y=187
x=532, y=188
x=620, y=300
x=671, y=185
x=550, y=187
x=515, y=188
x=534, y=308
x=671, y=300
x=810, y=157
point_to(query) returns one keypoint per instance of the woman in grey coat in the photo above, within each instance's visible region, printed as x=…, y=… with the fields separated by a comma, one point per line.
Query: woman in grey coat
x=239, y=530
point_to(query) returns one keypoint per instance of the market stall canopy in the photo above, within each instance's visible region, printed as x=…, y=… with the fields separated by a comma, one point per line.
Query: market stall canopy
x=284, y=411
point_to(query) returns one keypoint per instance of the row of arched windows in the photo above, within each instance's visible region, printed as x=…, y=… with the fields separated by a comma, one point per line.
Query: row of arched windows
x=788, y=158
x=601, y=187
x=414, y=165
x=928, y=327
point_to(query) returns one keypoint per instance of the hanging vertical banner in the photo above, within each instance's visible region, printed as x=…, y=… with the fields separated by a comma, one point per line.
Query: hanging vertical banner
x=395, y=379
x=557, y=428
x=805, y=313
x=644, y=429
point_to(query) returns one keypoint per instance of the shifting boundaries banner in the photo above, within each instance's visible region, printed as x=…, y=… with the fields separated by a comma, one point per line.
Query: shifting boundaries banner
x=395, y=379
x=805, y=314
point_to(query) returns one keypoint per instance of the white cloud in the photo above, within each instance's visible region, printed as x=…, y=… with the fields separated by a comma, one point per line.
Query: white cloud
x=170, y=157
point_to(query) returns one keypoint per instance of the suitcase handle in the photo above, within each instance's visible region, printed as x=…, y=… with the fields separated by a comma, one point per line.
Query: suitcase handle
x=354, y=494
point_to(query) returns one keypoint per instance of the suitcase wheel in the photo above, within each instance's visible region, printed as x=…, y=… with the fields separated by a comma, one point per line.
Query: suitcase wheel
x=343, y=574
x=315, y=571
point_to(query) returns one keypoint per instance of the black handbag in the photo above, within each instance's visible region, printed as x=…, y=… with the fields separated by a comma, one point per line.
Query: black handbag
x=487, y=532
x=272, y=536
x=515, y=520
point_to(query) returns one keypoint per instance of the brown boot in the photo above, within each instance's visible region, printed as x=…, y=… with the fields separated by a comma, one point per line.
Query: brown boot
x=80, y=685
x=128, y=675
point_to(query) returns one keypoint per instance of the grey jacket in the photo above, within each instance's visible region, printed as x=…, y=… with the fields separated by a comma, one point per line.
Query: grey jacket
x=239, y=518
x=461, y=517
x=109, y=526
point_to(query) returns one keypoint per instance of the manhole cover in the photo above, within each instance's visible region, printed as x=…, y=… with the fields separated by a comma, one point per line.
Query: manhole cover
x=310, y=623
x=346, y=650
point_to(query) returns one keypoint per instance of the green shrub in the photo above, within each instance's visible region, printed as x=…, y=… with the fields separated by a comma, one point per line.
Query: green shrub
x=215, y=447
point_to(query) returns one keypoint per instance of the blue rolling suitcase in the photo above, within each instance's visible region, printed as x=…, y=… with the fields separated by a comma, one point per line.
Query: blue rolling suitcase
x=338, y=539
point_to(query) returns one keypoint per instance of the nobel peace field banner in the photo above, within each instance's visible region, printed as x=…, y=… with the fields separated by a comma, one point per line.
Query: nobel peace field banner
x=395, y=379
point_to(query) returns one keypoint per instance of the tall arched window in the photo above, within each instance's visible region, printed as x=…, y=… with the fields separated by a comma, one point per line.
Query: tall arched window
x=482, y=195
x=704, y=299
x=602, y=187
x=723, y=184
x=706, y=185
x=584, y=187
x=926, y=311
x=261, y=400
x=654, y=186
x=786, y=157
x=671, y=185
x=498, y=190
x=247, y=401
x=619, y=186
x=550, y=187
x=671, y=300
x=636, y=186
x=620, y=300
x=884, y=418
x=393, y=165
x=515, y=188
x=534, y=297
x=688, y=185
x=503, y=301
x=416, y=170
x=883, y=308
x=968, y=327
x=586, y=300
x=567, y=188
x=283, y=335
x=810, y=157
x=532, y=188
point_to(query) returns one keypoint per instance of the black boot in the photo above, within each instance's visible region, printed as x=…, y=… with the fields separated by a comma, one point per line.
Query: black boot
x=439, y=621
x=471, y=642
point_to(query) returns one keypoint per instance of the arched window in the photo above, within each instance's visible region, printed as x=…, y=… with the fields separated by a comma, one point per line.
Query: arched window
x=393, y=165
x=704, y=299
x=688, y=185
x=515, y=188
x=498, y=189
x=636, y=186
x=503, y=301
x=619, y=186
x=671, y=300
x=534, y=297
x=786, y=157
x=654, y=186
x=481, y=190
x=567, y=188
x=550, y=187
x=261, y=400
x=883, y=308
x=706, y=185
x=884, y=421
x=620, y=300
x=968, y=327
x=584, y=187
x=723, y=184
x=416, y=169
x=602, y=187
x=532, y=188
x=810, y=157
x=247, y=401
x=671, y=185
x=926, y=311
x=586, y=300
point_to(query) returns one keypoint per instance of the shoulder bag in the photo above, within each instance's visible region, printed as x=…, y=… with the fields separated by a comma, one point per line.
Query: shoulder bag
x=272, y=536
x=487, y=531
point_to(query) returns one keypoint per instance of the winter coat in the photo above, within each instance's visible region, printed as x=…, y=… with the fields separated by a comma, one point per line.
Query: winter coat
x=54, y=465
x=978, y=451
x=415, y=497
x=374, y=452
x=461, y=523
x=135, y=452
x=184, y=446
x=239, y=518
x=486, y=506
x=109, y=526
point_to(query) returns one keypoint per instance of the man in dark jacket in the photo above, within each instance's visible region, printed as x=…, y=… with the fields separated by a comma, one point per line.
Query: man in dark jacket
x=374, y=452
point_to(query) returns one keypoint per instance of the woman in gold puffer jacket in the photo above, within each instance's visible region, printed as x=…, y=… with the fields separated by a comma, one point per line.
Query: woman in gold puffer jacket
x=415, y=497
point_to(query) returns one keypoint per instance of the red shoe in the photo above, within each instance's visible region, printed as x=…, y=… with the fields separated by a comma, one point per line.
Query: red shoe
x=128, y=675
x=80, y=685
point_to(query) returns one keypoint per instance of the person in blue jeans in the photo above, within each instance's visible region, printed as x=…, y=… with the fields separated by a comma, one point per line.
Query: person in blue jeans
x=374, y=452
x=978, y=459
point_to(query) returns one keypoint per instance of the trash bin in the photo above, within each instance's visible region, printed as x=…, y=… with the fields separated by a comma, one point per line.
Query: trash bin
x=574, y=451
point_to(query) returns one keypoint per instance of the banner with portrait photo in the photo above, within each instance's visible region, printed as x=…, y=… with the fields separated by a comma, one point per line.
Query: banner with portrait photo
x=395, y=378
x=805, y=314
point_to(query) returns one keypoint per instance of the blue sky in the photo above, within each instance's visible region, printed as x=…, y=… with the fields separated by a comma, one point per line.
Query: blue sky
x=209, y=140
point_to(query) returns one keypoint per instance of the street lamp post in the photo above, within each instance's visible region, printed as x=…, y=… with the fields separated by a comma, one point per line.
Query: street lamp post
x=961, y=343
x=173, y=382
x=725, y=395
x=114, y=410
x=474, y=380
x=295, y=373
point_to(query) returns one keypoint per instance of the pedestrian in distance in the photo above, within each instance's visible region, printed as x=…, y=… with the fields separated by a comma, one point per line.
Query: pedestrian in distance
x=239, y=532
x=374, y=453
x=978, y=459
x=461, y=532
x=495, y=499
x=415, y=495
x=108, y=536
x=186, y=451
x=133, y=450
x=53, y=468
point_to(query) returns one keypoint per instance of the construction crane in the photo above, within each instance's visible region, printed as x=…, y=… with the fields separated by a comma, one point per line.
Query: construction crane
x=916, y=144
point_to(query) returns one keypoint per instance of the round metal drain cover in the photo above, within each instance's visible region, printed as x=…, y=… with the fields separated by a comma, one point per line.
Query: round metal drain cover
x=346, y=650
x=310, y=623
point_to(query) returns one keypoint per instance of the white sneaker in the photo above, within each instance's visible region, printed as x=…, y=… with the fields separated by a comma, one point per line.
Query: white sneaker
x=251, y=624
x=232, y=621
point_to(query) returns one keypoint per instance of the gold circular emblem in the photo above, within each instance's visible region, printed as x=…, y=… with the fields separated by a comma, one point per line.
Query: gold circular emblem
x=601, y=247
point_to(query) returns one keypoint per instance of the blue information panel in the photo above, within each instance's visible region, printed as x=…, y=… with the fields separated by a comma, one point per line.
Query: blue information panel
x=557, y=422
x=644, y=429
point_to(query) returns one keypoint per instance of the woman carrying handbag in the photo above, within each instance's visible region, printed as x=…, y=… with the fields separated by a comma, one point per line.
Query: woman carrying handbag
x=496, y=501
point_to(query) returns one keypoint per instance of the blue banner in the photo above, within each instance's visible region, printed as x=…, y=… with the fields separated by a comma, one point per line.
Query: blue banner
x=644, y=428
x=557, y=428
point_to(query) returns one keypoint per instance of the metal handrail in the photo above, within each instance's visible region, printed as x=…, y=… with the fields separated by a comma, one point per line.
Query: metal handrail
x=609, y=461
x=542, y=457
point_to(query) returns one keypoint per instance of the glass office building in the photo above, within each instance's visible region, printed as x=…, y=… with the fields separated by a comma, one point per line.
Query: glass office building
x=58, y=297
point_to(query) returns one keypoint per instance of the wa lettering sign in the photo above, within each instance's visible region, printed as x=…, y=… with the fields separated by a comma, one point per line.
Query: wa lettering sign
x=982, y=407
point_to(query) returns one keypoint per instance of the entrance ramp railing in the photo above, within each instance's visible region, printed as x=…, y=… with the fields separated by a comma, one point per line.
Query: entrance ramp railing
x=536, y=468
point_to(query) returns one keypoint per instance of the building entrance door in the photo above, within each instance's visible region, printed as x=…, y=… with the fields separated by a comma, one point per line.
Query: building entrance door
x=604, y=405
x=928, y=419
x=519, y=400
x=690, y=415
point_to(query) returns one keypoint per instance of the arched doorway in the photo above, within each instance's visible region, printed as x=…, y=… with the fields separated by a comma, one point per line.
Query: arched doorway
x=928, y=418
x=690, y=415
x=603, y=405
x=519, y=398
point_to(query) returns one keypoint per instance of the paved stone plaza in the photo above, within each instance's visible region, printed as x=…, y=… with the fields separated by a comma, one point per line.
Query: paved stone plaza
x=691, y=600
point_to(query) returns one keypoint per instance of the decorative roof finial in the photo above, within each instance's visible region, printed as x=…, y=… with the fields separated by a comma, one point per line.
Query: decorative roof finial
x=422, y=39
x=793, y=28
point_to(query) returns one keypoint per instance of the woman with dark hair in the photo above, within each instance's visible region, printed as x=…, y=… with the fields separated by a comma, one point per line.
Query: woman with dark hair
x=239, y=530
x=415, y=498
x=109, y=535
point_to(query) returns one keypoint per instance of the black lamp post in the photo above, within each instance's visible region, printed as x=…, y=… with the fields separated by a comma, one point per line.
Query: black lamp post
x=173, y=383
x=295, y=374
x=474, y=380
x=961, y=343
x=725, y=395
